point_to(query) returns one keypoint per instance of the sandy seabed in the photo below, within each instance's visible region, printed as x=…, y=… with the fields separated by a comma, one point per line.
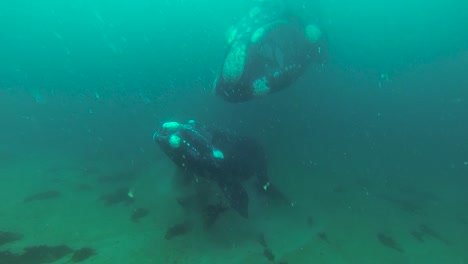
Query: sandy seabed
x=335, y=223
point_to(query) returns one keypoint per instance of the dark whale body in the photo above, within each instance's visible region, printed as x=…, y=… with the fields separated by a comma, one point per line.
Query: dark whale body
x=267, y=51
x=220, y=156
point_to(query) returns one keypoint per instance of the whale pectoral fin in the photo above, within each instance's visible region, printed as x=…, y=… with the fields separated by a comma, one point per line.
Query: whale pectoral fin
x=237, y=197
x=274, y=193
x=264, y=186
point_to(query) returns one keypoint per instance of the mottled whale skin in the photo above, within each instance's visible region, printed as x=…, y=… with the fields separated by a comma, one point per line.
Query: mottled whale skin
x=218, y=155
x=267, y=51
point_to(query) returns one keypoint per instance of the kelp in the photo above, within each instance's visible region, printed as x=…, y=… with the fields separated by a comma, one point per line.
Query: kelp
x=82, y=254
x=9, y=237
x=389, y=242
x=47, y=195
x=36, y=255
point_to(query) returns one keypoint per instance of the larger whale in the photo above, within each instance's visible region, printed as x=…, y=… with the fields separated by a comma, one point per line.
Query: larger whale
x=267, y=51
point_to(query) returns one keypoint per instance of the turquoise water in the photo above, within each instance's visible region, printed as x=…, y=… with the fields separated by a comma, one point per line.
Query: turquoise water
x=369, y=148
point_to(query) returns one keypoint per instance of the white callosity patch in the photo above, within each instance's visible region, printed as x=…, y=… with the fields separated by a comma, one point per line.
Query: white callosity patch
x=255, y=12
x=171, y=126
x=265, y=187
x=235, y=63
x=260, y=87
x=232, y=35
x=285, y=70
x=174, y=141
x=218, y=154
x=257, y=35
x=313, y=33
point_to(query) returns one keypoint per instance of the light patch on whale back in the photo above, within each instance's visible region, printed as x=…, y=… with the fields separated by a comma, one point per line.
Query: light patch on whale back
x=174, y=141
x=260, y=87
x=260, y=32
x=171, y=125
x=234, y=64
x=257, y=35
x=231, y=35
x=313, y=33
x=255, y=11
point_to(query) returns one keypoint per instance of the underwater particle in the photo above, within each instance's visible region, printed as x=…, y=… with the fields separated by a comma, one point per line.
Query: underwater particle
x=57, y=35
x=131, y=193
x=82, y=254
x=265, y=187
x=38, y=97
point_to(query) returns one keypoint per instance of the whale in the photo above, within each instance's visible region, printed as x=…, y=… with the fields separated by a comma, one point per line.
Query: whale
x=220, y=156
x=267, y=51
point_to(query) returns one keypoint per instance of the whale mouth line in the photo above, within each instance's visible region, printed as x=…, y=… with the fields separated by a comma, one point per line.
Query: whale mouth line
x=263, y=85
x=285, y=70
